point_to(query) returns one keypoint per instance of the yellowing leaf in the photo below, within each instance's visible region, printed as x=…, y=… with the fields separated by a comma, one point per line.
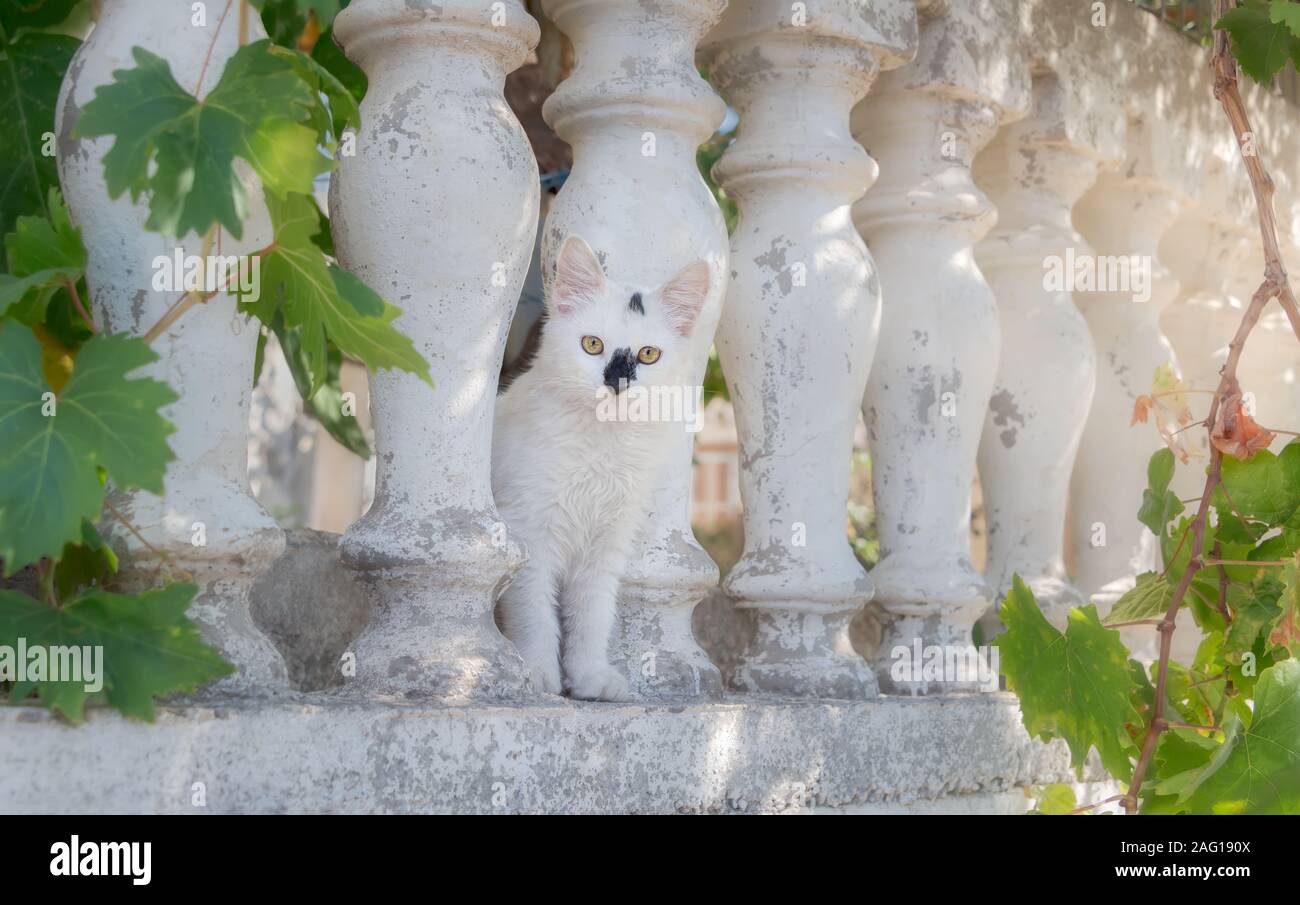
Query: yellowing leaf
x=52, y=447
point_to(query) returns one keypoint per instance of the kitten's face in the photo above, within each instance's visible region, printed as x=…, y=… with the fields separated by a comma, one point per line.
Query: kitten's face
x=603, y=334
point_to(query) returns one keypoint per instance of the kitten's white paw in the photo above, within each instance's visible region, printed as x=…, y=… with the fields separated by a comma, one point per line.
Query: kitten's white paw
x=545, y=675
x=600, y=682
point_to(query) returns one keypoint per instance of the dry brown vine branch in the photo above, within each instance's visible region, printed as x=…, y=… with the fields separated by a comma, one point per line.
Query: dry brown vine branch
x=1274, y=286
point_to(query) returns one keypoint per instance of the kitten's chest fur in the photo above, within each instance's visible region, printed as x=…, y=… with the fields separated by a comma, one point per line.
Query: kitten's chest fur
x=558, y=470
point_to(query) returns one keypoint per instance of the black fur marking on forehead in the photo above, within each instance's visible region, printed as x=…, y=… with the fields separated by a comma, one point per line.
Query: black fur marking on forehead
x=635, y=304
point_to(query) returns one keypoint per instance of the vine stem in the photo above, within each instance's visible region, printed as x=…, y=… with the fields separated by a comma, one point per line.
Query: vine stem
x=1262, y=563
x=1097, y=804
x=81, y=308
x=192, y=298
x=162, y=557
x=207, y=57
x=188, y=300
x=1274, y=286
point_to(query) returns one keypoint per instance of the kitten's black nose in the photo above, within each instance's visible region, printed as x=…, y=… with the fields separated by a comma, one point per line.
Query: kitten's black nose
x=621, y=370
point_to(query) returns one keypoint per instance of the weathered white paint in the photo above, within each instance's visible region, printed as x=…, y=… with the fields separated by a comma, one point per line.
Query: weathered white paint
x=320, y=754
x=939, y=339
x=635, y=110
x=437, y=211
x=442, y=189
x=207, y=522
x=1034, y=172
x=800, y=326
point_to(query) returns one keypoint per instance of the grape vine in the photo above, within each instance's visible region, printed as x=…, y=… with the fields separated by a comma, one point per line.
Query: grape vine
x=1221, y=736
x=73, y=419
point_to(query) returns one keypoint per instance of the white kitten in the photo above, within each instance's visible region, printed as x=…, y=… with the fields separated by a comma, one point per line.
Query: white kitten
x=573, y=486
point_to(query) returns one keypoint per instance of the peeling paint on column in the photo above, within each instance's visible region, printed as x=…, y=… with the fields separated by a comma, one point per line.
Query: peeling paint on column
x=1005, y=414
x=939, y=332
x=799, y=328
x=441, y=138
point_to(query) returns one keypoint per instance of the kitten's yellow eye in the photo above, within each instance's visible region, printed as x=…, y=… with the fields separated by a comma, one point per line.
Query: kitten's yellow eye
x=592, y=345
x=648, y=355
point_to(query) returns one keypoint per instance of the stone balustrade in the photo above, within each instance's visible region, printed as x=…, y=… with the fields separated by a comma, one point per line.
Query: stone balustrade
x=907, y=174
x=635, y=110
x=207, y=524
x=939, y=337
x=1035, y=172
x=800, y=327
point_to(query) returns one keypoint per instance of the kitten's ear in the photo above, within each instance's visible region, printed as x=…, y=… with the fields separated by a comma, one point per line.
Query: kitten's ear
x=578, y=276
x=683, y=296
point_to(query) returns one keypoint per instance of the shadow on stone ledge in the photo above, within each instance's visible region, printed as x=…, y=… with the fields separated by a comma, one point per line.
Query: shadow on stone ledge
x=312, y=607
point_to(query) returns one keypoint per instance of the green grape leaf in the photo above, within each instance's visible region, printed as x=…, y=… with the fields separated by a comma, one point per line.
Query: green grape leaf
x=1160, y=505
x=285, y=20
x=16, y=14
x=1257, y=767
x=1285, y=12
x=26, y=298
x=1055, y=799
x=1273, y=549
x=324, y=302
x=51, y=449
x=1261, y=46
x=44, y=257
x=1290, y=599
x=1075, y=685
x=1180, y=757
x=1264, y=488
x=1237, y=531
x=1257, y=615
x=149, y=647
x=327, y=403
x=328, y=53
x=339, y=109
x=1192, y=693
x=325, y=10
x=90, y=562
x=1148, y=598
x=31, y=71
x=254, y=113
x=45, y=243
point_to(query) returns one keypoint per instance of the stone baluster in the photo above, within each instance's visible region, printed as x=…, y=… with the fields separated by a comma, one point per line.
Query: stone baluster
x=437, y=211
x=799, y=329
x=939, y=338
x=635, y=111
x=1123, y=217
x=1034, y=172
x=207, y=522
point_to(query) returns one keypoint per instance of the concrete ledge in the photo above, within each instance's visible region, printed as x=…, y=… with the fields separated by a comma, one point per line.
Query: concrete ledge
x=326, y=753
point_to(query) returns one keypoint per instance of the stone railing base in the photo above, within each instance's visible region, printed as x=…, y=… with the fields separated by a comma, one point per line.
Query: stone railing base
x=324, y=753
